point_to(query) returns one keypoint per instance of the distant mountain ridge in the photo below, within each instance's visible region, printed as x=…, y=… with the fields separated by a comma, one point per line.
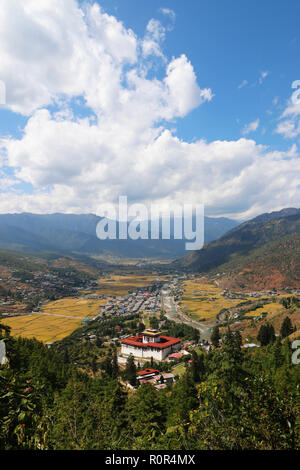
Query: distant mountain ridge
x=240, y=242
x=276, y=214
x=77, y=233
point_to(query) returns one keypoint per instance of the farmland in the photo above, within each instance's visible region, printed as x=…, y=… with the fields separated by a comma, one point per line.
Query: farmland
x=42, y=327
x=249, y=328
x=202, y=301
x=80, y=308
x=122, y=285
x=58, y=320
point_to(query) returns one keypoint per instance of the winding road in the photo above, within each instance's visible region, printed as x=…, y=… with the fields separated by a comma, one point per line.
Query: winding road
x=173, y=314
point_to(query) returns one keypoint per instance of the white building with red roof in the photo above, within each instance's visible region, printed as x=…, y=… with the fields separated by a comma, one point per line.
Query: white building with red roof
x=150, y=344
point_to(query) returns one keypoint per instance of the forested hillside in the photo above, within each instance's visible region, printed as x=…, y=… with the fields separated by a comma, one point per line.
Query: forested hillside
x=229, y=398
x=251, y=243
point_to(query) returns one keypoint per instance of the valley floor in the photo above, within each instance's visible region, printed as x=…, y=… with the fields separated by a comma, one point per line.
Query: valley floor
x=196, y=301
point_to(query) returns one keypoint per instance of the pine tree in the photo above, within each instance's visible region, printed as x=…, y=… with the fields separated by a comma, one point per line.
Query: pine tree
x=215, y=336
x=115, y=366
x=130, y=371
x=146, y=415
x=266, y=334
x=286, y=327
x=231, y=372
x=94, y=365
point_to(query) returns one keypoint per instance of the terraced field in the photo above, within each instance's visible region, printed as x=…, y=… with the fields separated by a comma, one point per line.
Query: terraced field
x=249, y=328
x=273, y=307
x=203, y=301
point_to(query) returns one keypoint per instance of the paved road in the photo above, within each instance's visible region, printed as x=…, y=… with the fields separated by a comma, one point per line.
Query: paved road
x=173, y=314
x=58, y=315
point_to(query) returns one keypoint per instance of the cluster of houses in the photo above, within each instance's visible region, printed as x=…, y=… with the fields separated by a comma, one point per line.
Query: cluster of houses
x=66, y=280
x=65, y=283
x=146, y=299
x=155, y=377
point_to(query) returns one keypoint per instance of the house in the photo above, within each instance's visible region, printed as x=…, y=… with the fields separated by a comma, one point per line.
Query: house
x=146, y=374
x=175, y=356
x=154, y=377
x=168, y=377
x=149, y=344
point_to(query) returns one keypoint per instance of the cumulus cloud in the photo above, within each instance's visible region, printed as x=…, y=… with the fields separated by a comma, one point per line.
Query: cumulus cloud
x=51, y=48
x=154, y=36
x=123, y=145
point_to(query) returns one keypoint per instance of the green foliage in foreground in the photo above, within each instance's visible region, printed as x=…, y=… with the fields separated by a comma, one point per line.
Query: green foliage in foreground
x=228, y=399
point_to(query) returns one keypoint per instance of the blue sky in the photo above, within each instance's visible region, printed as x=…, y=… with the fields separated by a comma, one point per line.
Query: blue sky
x=191, y=98
x=228, y=42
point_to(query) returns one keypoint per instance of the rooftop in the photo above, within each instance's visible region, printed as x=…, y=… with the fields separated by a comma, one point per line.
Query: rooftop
x=151, y=332
x=165, y=342
x=148, y=371
x=176, y=355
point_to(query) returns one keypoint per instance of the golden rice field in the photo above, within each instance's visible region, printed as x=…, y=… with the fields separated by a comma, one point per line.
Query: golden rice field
x=81, y=308
x=204, y=300
x=44, y=328
x=61, y=317
x=58, y=320
x=121, y=285
x=273, y=307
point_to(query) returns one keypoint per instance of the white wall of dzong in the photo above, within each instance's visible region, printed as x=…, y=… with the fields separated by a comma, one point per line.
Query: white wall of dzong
x=158, y=354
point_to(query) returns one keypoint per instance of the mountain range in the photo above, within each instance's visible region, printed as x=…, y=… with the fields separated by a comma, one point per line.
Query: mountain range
x=71, y=233
x=261, y=253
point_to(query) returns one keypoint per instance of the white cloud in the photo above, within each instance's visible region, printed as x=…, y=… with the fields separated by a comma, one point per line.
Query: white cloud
x=155, y=35
x=251, y=127
x=262, y=76
x=289, y=126
x=125, y=148
x=171, y=15
x=52, y=48
x=242, y=84
x=169, y=12
x=76, y=166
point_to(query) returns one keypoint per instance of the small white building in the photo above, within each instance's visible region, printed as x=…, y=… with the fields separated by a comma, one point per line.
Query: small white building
x=150, y=344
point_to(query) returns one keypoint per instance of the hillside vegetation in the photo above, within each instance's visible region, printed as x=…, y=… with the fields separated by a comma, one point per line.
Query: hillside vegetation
x=261, y=252
x=275, y=265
